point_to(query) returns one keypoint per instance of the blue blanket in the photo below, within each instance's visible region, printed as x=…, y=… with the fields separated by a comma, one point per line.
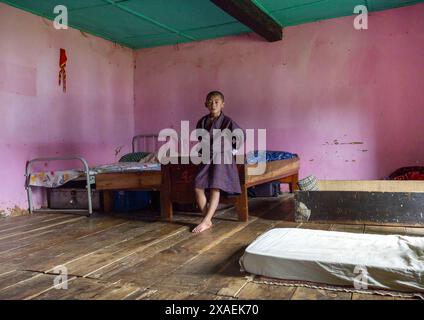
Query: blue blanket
x=255, y=156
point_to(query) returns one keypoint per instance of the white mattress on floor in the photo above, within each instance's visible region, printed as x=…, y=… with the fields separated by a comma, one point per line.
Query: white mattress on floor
x=392, y=262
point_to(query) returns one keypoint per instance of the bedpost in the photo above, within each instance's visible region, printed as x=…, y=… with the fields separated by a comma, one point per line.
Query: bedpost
x=28, y=186
x=165, y=194
x=294, y=183
x=107, y=201
x=242, y=200
x=242, y=205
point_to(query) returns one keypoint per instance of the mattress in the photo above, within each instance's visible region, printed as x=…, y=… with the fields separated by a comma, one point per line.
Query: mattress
x=125, y=167
x=390, y=262
x=53, y=179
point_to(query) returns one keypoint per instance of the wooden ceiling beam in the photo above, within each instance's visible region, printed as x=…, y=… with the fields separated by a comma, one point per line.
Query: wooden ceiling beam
x=253, y=17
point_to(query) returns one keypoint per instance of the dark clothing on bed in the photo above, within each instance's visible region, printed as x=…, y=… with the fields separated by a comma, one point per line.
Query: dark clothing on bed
x=218, y=176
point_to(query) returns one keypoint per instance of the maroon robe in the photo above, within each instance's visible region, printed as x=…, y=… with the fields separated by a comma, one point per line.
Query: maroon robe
x=218, y=176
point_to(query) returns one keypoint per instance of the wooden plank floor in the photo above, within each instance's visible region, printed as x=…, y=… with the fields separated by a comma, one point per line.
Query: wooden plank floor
x=139, y=256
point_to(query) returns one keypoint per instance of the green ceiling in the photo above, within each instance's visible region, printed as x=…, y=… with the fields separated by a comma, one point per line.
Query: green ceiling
x=150, y=23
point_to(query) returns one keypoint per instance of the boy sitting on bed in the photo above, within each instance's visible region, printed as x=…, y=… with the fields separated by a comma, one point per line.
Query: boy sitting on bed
x=215, y=177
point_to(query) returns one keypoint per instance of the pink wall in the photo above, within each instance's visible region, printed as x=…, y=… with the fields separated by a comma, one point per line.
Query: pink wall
x=319, y=92
x=93, y=118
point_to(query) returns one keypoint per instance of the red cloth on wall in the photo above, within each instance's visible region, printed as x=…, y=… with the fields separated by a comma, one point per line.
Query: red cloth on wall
x=62, y=64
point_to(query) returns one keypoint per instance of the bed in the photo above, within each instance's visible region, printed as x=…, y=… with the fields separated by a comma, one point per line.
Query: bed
x=175, y=182
x=178, y=183
x=105, y=178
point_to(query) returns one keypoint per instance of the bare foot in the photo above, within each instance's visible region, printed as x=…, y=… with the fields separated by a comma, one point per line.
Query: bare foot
x=204, y=225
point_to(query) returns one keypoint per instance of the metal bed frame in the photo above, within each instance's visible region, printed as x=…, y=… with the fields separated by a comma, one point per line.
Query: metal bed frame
x=145, y=138
x=90, y=179
x=87, y=177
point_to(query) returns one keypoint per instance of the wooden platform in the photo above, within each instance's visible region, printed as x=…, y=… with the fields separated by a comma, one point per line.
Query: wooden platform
x=383, y=202
x=139, y=256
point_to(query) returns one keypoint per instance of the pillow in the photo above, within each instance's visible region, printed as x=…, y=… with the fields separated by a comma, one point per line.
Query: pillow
x=150, y=158
x=310, y=183
x=133, y=157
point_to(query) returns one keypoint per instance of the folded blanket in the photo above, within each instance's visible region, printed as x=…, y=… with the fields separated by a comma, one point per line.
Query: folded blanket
x=53, y=179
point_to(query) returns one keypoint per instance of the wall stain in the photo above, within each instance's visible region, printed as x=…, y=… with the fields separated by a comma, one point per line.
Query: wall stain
x=118, y=150
x=336, y=142
x=13, y=212
x=355, y=142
